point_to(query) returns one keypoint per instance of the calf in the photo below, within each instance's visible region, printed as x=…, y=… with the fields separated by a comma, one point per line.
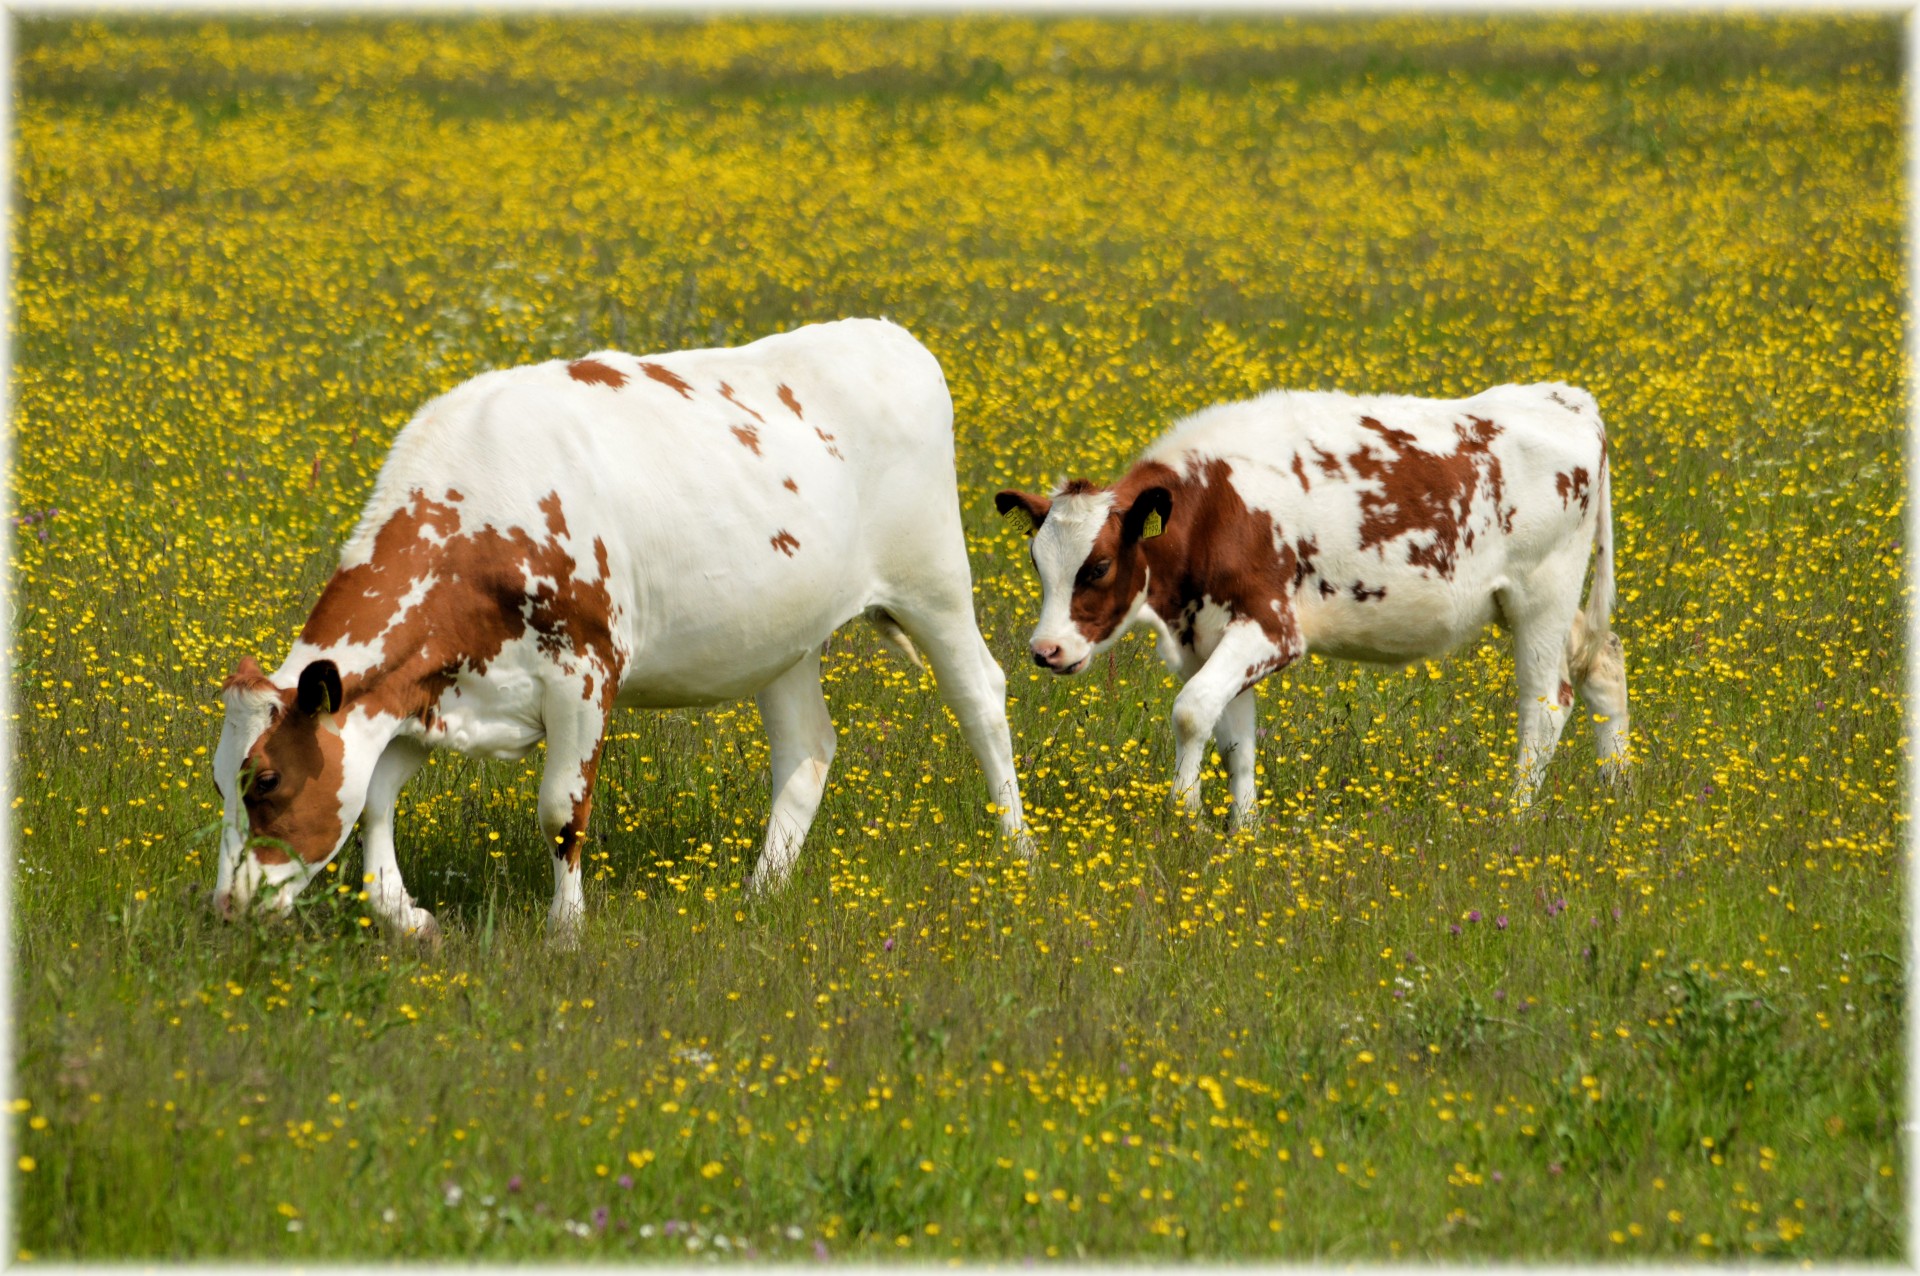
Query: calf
x=1377, y=528
x=546, y=543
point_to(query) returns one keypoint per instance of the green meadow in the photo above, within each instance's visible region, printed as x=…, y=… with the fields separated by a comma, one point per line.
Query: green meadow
x=1392, y=1021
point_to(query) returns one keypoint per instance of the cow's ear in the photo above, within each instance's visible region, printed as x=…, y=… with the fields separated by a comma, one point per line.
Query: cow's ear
x=246, y=676
x=319, y=688
x=1147, y=517
x=1034, y=507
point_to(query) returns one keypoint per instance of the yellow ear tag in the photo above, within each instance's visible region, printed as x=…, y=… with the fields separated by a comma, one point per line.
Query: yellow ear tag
x=1153, y=527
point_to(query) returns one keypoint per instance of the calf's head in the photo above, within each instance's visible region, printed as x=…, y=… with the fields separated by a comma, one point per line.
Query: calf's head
x=1088, y=548
x=290, y=793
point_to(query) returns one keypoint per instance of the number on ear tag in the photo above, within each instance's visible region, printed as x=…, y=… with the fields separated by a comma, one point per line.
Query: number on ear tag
x=1153, y=526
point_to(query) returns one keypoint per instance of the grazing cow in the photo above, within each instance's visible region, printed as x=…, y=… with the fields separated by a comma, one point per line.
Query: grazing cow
x=1377, y=528
x=548, y=542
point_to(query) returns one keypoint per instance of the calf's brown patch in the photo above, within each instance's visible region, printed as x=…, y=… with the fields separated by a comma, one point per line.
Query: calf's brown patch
x=785, y=542
x=748, y=436
x=1431, y=493
x=793, y=404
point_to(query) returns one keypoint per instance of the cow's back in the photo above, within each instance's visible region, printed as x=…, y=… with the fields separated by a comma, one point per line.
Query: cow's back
x=1404, y=516
x=741, y=502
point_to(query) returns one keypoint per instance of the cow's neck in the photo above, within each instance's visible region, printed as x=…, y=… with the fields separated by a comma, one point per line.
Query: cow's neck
x=1176, y=576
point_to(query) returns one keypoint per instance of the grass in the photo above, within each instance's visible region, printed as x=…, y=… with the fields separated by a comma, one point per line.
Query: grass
x=1389, y=1023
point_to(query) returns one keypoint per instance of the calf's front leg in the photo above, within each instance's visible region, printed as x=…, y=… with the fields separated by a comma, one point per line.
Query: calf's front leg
x=1245, y=654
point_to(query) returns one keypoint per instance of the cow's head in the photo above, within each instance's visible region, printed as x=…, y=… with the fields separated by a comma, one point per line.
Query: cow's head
x=1087, y=547
x=283, y=775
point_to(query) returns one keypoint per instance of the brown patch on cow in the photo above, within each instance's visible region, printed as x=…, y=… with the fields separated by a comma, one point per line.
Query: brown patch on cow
x=454, y=495
x=594, y=372
x=748, y=436
x=488, y=588
x=793, y=404
x=791, y=486
x=1304, y=550
x=726, y=392
x=556, y=517
x=1213, y=547
x=359, y=601
x=1573, y=487
x=1429, y=493
x=1327, y=589
x=665, y=377
x=827, y=439
x=1329, y=463
x=785, y=542
x=1300, y=472
x=1361, y=594
x=1566, y=693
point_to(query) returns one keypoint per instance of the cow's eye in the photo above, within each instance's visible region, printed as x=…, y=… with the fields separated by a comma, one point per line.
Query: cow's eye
x=1096, y=571
x=264, y=783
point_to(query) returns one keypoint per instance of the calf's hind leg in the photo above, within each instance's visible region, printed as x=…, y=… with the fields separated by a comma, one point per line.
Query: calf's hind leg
x=1543, y=692
x=1600, y=675
x=800, y=735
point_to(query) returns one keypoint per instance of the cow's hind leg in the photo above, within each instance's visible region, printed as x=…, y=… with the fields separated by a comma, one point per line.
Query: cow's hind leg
x=575, y=723
x=1233, y=735
x=801, y=737
x=1543, y=691
x=386, y=892
x=972, y=684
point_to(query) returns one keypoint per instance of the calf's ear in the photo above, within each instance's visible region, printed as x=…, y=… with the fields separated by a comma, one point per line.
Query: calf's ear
x=319, y=688
x=1034, y=507
x=1146, y=518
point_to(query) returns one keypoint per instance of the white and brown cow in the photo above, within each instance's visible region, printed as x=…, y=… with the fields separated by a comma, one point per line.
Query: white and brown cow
x=548, y=542
x=1377, y=528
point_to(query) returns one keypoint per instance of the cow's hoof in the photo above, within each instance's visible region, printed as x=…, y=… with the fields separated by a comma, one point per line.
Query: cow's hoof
x=423, y=930
x=1023, y=844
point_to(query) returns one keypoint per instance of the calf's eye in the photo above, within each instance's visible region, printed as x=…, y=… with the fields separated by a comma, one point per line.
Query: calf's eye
x=264, y=783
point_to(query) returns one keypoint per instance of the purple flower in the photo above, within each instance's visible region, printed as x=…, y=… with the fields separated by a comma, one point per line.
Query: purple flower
x=888, y=946
x=1554, y=1167
x=673, y=1228
x=1474, y=915
x=625, y=1181
x=1499, y=994
x=1497, y=1177
x=600, y=1218
x=1454, y=929
x=513, y=1184
x=819, y=1249
x=1501, y=921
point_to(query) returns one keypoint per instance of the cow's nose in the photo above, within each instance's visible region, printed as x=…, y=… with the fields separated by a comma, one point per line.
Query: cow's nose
x=1045, y=654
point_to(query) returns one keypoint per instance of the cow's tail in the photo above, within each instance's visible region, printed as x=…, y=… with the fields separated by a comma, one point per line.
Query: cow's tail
x=1599, y=610
x=1598, y=662
x=889, y=629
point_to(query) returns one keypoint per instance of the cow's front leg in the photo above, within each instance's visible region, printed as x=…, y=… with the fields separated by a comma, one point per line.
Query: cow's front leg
x=1245, y=654
x=576, y=728
x=386, y=892
x=800, y=736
